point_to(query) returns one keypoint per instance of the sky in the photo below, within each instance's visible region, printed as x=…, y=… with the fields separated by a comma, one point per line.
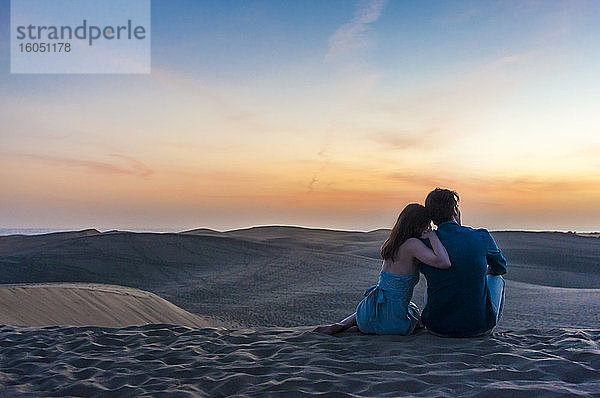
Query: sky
x=332, y=114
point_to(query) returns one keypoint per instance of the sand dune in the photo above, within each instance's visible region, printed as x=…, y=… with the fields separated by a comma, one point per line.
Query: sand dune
x=258, y=280
x=17, y=243
x=279, y=276
x=87, y=304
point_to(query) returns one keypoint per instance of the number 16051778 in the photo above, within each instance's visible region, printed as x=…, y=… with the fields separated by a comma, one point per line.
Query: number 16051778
x=45, y=47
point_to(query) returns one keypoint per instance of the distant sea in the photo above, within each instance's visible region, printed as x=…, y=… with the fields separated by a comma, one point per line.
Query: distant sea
x=28, y=231
x=37, y=231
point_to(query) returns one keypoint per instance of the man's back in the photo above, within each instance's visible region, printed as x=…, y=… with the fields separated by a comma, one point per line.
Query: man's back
x=458, y=302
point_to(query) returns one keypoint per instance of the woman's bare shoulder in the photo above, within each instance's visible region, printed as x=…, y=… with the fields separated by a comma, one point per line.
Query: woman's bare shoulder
x=413, y=242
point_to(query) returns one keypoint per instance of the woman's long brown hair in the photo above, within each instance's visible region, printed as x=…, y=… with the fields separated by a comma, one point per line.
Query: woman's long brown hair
x=411, y=223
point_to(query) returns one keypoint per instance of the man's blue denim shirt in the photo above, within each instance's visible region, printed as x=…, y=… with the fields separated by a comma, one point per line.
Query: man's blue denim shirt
x=457, y=298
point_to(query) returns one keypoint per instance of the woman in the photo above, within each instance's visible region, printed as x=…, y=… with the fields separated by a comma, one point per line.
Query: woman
x=386, y=308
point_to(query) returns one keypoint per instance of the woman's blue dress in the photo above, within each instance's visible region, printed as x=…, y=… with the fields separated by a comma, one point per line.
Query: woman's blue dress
x=386, y=308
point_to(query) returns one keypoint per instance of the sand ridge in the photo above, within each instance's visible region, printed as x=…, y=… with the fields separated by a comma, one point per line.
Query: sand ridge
x=89, y=304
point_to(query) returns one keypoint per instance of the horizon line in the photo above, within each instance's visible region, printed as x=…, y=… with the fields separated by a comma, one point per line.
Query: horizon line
x=32, y=231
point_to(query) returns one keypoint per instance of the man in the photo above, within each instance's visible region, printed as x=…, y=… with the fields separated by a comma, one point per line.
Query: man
x=465, y=300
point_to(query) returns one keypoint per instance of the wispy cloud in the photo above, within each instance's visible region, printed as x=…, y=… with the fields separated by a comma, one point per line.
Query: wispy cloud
x=204, y=95
x=316, y=177
x=125, y=165
x=312, y=183
x=404, y=139
x=134, y=165
x=351, y=36
x=356, y=77
x=509, y=191
x=450, y=105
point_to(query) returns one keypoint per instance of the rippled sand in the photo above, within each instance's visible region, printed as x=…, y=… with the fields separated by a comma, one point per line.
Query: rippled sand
x=182, y=361
x=247, y=299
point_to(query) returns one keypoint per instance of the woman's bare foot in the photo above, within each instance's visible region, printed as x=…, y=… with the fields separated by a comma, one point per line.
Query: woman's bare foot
x=330, y=329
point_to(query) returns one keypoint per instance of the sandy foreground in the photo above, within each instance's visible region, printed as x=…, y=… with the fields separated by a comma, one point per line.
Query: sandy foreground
x=248, y=309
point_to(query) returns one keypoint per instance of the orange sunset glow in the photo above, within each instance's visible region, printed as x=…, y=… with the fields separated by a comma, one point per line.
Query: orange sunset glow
x=335, y=126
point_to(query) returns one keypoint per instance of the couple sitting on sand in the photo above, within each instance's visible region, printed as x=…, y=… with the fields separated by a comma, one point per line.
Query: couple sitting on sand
x=462, y=266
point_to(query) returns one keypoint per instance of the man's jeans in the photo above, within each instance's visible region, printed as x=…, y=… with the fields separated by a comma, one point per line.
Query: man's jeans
x=495, y=285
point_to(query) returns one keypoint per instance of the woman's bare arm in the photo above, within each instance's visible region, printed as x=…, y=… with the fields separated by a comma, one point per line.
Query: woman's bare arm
x=438, y=257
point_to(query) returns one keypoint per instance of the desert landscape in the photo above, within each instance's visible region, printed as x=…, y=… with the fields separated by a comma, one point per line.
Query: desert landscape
x=208, y=313
x=193, y=190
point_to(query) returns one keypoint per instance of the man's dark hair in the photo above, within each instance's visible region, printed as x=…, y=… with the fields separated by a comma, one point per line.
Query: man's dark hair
x=440, y=204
